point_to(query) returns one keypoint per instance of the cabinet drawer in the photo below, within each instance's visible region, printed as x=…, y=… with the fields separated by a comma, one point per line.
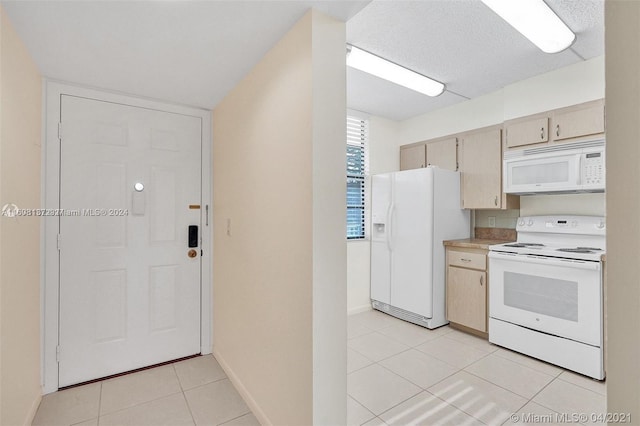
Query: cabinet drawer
x=468, y=260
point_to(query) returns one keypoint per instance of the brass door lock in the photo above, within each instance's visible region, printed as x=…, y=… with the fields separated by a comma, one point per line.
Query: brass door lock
x=192, y=253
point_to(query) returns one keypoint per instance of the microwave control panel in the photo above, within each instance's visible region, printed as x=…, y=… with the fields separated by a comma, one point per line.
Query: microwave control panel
x=592, y=168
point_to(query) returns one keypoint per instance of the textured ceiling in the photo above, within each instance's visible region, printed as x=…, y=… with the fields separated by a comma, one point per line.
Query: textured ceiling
x=194, y=52
x=189, y=52
x=461, y=43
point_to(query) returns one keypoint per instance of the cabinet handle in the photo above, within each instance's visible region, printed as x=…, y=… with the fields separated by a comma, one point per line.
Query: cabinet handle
x=557, y=130
x=541, y=132
x=481, y=280
x=465, y=260
x=495, y=201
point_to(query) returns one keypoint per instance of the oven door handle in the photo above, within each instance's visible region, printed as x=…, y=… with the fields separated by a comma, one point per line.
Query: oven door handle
x=545, y=260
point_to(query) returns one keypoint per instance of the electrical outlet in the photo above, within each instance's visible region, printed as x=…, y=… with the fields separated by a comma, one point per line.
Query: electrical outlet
x=492, y=221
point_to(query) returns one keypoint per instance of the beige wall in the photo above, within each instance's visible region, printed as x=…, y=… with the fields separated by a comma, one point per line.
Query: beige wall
x=622, y=20
x=280, y=259
x=574, y=84
x=20, y=136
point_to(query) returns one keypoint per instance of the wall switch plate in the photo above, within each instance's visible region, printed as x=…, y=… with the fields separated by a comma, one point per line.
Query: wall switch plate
x=492, y=221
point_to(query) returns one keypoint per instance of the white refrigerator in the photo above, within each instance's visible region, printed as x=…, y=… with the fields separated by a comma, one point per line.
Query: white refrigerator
x=412, y=212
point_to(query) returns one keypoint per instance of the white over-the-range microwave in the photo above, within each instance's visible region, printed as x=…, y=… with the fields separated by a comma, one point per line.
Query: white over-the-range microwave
x=563, y=168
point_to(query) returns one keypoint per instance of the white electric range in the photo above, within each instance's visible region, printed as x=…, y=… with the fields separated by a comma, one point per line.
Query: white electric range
x=546, y=291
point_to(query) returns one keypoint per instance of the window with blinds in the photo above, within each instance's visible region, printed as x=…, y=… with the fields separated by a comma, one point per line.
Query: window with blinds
x=357, y=139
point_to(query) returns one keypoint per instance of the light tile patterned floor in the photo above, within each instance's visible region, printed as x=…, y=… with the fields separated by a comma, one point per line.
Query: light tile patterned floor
x=402, y=374
x=398, y=374
x=195, y=391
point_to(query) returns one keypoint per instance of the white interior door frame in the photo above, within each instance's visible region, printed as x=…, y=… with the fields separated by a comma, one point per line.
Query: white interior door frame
x=50, y=284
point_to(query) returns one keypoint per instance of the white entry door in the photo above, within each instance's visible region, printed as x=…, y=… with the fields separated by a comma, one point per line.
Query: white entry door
x=129, y=282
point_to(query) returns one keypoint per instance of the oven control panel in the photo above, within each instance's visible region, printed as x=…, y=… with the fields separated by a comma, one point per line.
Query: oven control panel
x=589, y=225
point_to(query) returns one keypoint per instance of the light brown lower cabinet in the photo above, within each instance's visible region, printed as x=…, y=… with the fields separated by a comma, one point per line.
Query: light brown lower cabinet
x=467, y=288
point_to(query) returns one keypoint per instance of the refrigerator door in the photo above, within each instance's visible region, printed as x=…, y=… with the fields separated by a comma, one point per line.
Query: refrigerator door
x=381, y=197
x=411, y=241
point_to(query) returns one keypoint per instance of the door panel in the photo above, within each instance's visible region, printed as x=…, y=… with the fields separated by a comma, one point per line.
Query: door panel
x=380, y=228
x=129, y=294
x=411, y=242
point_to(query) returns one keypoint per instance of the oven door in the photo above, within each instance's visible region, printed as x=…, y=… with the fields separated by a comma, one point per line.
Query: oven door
x=562, y=297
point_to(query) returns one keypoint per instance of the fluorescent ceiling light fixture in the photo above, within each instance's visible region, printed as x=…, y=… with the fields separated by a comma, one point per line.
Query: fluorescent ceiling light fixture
x=536, y=21
x=375, y=65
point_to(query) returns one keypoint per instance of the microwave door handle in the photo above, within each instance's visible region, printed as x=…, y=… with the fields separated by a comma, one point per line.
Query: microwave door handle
x=580, y=162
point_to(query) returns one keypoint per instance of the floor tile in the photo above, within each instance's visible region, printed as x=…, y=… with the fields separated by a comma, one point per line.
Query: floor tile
x=246, y=420
x=215, y=403
x=356, y=413
x=356, y=328
x=376, y=346
x=170, y=410
x=378, y=389
x=410, y=334
x=535, y=414
x=69, y=406
x=356, y=361
x=92, y=422
x=512, y=376
x=471, y=340
x=419, y=368
x=137, y=388
x=375, y=320
x=565, y=397
x=483, y=400
x=198, y=371
x=452, y=351
x=528, y=361
x=584, y=382
x=426, y=409
x=377, y=421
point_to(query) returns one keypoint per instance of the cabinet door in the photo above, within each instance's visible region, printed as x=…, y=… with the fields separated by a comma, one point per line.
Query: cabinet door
x=467, y=297
x=412, y=157
x=527, y=132
x=482, y=170
x=443, y=154
x=581, y=121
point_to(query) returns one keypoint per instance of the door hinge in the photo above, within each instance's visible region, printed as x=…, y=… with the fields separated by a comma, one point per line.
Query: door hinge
x=57, y=353
x=59, y=240
x=60, y=131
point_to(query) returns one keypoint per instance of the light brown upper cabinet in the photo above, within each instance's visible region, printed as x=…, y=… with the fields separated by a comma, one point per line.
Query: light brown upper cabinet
x=563, y=125
x=442, y=153
x=413, y=156
x=578, y=121
x=481, y=166
x=527, y=131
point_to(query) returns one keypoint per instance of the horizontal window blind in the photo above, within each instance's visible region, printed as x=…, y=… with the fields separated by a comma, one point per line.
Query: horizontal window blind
x=357, y=140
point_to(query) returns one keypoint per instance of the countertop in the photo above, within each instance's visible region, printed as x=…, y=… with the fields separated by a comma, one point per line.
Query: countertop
x=477, y=243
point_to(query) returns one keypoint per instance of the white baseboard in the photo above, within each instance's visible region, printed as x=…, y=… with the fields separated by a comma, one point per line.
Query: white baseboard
x=242, y=390
x=358, y=309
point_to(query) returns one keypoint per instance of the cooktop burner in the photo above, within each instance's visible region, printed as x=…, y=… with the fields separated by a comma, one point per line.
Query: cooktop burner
x=533, y=245
x=580, y=249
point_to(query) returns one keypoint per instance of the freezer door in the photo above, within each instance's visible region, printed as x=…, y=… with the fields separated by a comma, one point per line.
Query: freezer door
x=411, y=241
x=381, y=197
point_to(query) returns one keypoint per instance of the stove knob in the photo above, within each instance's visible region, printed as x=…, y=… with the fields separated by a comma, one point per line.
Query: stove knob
x=600, y=225
x=530, y=222
x=521, y=222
